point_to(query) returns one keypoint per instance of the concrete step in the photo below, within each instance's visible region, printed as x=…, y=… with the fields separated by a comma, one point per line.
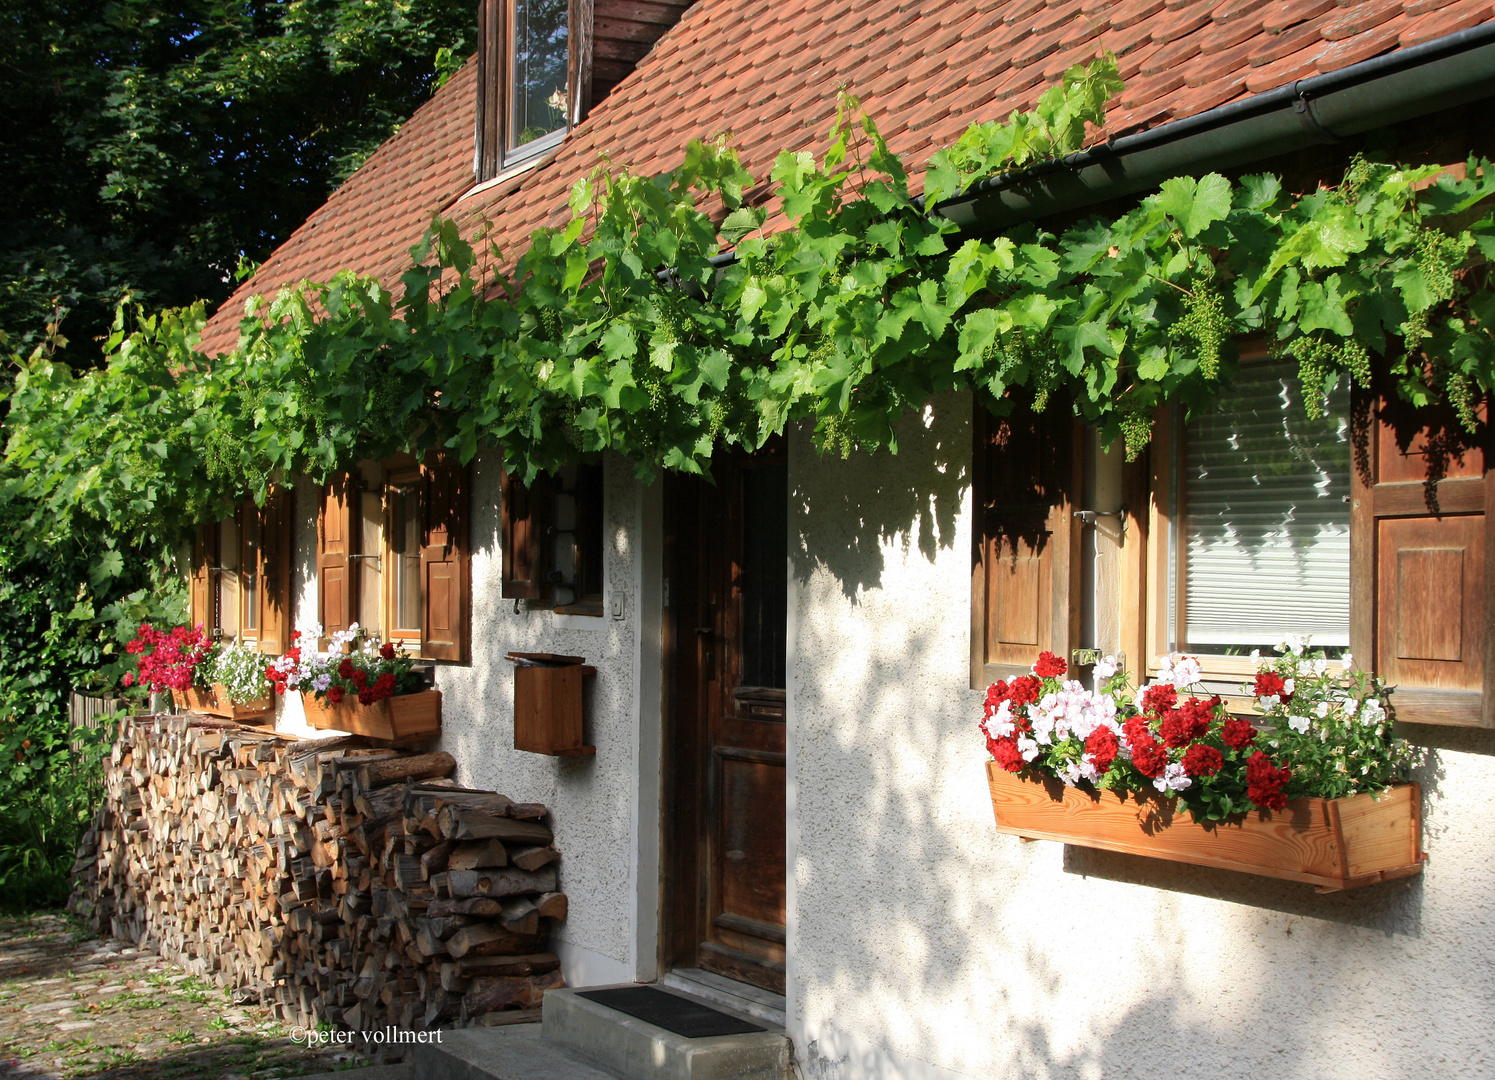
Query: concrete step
x=580, y=1039
x=519, y=1052
x=727, y=994
x=640, y=1051
x=373, y=1072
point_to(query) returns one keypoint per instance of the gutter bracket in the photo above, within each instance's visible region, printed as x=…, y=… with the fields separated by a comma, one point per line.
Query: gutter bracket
x=1303, y=110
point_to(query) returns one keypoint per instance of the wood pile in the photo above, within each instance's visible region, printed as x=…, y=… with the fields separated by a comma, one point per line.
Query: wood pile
x=337, y=880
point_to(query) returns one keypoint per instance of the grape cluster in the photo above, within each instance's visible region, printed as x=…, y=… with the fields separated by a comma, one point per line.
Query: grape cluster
x=1205, y=322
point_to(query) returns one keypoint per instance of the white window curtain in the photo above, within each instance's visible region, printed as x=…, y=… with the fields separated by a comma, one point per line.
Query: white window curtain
x=1265, y=522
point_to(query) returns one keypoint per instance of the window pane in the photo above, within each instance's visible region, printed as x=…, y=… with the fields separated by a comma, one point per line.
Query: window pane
x=249, y=602
x=540, y=68
x=765, y=587
x=371, y=544
x=404, y=545
x=227, y=578
x=1266, y=530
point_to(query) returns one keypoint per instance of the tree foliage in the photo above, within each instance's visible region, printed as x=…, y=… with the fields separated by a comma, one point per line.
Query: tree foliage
x=148, y=146
x=620, y=331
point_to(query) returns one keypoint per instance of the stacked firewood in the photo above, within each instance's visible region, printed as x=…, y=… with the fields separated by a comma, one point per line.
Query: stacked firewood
x=341, y=881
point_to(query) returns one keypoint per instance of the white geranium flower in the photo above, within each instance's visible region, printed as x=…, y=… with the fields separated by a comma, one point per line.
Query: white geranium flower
x=1027, y=747
x=1289, y=686
x=1348, y=661
x=1256, y=654
x=1001, y=723
x=1320, y=666
x=1371, y=712
x=1185, y=673
x=1269, y=700
x=1322, y=710
x=1070, y=773
x=1299, y=724
x=321, y=682
x=1173, y=779
x=1105, y=667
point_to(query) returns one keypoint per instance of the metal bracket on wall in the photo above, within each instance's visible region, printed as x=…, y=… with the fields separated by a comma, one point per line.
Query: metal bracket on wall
x=1089, y=516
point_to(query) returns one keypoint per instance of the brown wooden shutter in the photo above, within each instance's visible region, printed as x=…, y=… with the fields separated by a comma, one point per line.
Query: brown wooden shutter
x=1023, y=585
x=525, y=534
x=446, y=587
x=276, y=556
x=204, y=558
x=1420, y=539
x=336, y=536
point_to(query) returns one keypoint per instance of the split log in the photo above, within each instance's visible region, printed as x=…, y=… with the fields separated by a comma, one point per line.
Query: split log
x=462, y=823
x=416, y=767
x=489, y=994
x=472, y=856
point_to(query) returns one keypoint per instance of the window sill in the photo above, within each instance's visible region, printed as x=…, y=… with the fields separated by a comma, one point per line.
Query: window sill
x=587, y=608
x=541, y=156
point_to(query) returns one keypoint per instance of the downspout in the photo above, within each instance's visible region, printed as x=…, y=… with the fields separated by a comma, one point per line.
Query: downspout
x=1389, y=89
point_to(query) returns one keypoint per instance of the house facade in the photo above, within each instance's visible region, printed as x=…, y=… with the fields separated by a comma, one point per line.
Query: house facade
x=786, y=787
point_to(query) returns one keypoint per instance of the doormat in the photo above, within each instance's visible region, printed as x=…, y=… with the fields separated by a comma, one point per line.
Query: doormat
x=669, y=1011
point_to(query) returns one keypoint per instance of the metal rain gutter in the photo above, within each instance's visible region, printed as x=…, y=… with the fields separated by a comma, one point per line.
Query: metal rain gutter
x=1385, y=90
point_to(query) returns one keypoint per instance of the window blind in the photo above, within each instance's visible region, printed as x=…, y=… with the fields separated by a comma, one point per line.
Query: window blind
x=1266, y=517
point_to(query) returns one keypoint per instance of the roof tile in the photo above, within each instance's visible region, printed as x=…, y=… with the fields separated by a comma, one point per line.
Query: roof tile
x=1131, y=12
x=1287, y=43
x=1232, y=10
x=1362, y=46
x=1448, y=20
x=1361, y=18
x=1229, y=35
x=1285, y=13
x=925, y=72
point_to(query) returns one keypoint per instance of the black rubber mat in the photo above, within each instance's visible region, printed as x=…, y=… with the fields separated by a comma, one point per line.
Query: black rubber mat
x=669, y=1011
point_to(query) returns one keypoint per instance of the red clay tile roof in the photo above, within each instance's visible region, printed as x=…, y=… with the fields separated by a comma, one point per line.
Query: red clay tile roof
x=768, y=73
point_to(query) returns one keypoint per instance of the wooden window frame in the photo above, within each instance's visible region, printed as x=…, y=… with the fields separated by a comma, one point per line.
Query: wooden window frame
x=442, y=546
x=272, y=572
x=491, y=155
x=527, y=538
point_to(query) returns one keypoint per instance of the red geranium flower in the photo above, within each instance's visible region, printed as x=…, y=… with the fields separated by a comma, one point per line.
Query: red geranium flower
x=360, y=680
x=387, y=650
x=1265, y=781
x=1159, y=697
x=1188, y=722
x=345, y=669
x=1202, y=760
x=1049, y=666
x=1007, y=754
x=1102, y=746
x=1024, y=690
x=334, y=694
x=1149, y=756
x=1238, y=733
x=1269, y=682
x=366, y=697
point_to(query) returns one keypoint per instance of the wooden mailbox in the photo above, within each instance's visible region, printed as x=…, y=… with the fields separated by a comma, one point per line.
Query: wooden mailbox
x=547, y=703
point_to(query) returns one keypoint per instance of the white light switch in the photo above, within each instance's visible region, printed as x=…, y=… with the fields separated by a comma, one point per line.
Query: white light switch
x=618, y=605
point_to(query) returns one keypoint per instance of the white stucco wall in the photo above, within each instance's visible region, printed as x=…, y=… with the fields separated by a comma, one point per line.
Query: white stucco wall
x=593, y=801
x=924, y=944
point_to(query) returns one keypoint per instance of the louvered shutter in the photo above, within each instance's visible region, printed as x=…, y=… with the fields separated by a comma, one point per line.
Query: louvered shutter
x=1420, y=596
x=336, y=599
x=1023, y=587
x=445, y=578
x=275, y=559
x=525, y=533
x=200, y=595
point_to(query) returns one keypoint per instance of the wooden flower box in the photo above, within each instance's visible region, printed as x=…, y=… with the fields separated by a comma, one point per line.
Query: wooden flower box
x=216, y=702
x=402, y=718
x=1334, y=844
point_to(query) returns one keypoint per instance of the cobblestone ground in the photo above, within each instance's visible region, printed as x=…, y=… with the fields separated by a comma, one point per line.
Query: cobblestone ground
x=75, y=1006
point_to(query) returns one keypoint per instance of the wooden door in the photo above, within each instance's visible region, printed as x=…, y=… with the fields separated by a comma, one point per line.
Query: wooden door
x=727, y=564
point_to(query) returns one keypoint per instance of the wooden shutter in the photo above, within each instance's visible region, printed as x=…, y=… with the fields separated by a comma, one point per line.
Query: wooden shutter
x=276, y=556
x=204, y=558
x=445, y=579
x=525, y=535
x=1420, y=541
x=336, y=537
x=1023, y=582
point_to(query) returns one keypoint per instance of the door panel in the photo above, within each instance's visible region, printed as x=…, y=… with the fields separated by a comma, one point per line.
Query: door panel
x=725, y=878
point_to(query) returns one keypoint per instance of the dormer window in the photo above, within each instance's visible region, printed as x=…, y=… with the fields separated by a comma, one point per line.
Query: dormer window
x=534, y=69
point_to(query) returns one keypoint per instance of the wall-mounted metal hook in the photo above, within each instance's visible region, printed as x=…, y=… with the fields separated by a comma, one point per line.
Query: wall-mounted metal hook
x=1089, y=516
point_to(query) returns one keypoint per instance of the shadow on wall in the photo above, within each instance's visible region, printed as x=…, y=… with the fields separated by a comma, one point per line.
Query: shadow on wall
x=921, y=932
x=865, y=503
